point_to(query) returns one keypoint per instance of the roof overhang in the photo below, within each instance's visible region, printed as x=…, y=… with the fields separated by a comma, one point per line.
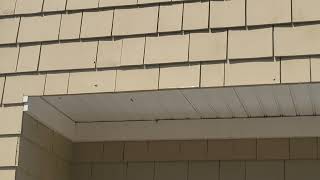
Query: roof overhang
x=202, y=113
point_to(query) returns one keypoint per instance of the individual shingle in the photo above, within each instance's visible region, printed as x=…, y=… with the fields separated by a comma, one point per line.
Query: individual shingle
x=315, y=65
x=303, y=148
x=8, y=149
x=70, y=26
x=159, y=49
x=81, y=171
x=295, y=41
x=208, y=46
x=115, y=171
x=9, y=30
x=230, y=170
x=92, y=82
x=305, y=10
x=39, y=28
x=265, y=170
x=295, y=70
x=11, y=117
x=28, y=58
x=54, y=5
x=255, y=43
x=212, y=74
x=26, y=7
x=137, y=79
x=204, y=170
x=135, y=21
x=1, y=89
x=111, y=3
x=113, y=151
x=109, y=53
x=96, y=24
x=164, y=150
x=171, y=171
x=82, y=4
x=56, y=83
x=268, y=12
x=140, y=171
x=270, y=149
x=170, y=17
x=132, y=52
x=16, y=87
x=300, y=169
x=232, y=149
x=8, y=174
x=7, y=7
x=227, y=13
x=64, y=56
x=87, y=152
x=136, y=151
x=248, y=73
x=196, y=15
x=193, y=150
x=8, y=59
x=186, y=76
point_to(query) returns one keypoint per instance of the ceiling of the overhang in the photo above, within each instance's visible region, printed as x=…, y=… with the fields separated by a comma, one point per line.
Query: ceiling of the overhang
x=233, y=102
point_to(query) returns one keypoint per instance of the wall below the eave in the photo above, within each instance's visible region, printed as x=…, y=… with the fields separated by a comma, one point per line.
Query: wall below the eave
x=10, y=131
x=242, y=159
x=43, y=154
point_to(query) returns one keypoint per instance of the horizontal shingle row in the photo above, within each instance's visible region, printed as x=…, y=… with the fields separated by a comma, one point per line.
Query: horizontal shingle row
x=194, y=75
x=271, y=11
x=149, y=20
x=232, y=45
x=225, y=149
x=18, y=7
x=200, y=170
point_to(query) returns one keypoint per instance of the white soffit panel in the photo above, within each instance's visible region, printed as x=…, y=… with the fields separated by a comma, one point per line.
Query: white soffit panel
x=182, y=114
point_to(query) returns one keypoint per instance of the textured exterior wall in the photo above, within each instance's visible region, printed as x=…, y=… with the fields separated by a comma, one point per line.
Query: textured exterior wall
x=245, y=159
x=79, y=46
x=10, y=130
x=43, y=154
x=159, y=44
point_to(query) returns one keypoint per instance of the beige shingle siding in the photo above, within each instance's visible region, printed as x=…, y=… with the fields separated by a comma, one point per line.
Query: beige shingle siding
x=109, y=53
x=39, y=28
x=135, y=21
x=70, y=26
x=159, y=49
x=170, y=17
x=8, y=150
x=26, y=7
x=28, y=58
x=245, y=44
x=96, y=24
x=7, y=7
x=11, y=124
x=268, y=12
x=16, y=87
x=221, y=16
x=295, y=41
x=11, y=119
x=9, y=30
x=305, y=11
x=9, y=59
x=64, y=56
x=92, y=82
